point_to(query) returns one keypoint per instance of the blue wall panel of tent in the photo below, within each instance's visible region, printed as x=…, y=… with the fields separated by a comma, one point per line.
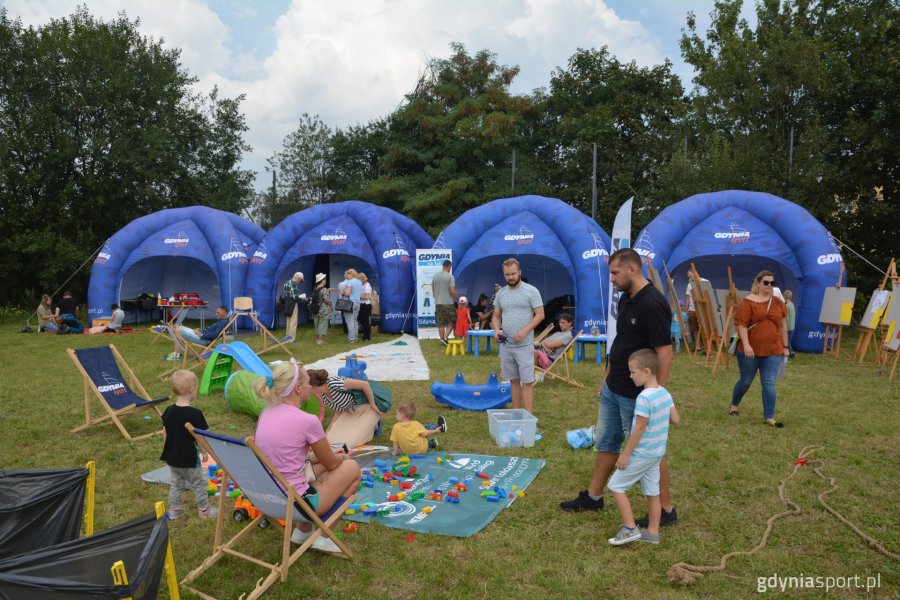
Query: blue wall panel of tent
x=383, y=239
x=194, y=249
x=749, y=232
x=563, y=253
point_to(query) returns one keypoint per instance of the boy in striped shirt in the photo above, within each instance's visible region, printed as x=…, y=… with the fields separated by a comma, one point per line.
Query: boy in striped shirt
x=639, y=461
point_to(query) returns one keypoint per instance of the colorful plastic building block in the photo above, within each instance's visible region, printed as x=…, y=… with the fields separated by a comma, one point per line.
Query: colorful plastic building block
x=350, y=527
x=427, y=509
x=483, y=475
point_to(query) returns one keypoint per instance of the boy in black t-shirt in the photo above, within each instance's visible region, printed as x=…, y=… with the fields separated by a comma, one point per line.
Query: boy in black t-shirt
x=180, y=450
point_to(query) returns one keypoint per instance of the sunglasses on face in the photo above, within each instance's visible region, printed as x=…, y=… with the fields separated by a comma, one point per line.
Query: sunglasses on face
x=767, y=281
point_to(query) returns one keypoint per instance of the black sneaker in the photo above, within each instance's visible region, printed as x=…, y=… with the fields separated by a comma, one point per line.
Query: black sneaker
x=444, y=342
x=432, y=443
x=582, y=502
x=666, y=518
x=442, y=423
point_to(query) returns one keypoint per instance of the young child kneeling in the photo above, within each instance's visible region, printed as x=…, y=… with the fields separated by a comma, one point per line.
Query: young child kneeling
x=639, y=461
x=411, y=437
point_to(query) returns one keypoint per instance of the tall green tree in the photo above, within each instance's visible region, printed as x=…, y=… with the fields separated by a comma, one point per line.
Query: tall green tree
x=630, y=112
x=450, y=145
x=803, y=105
x=98, y=126
x=299, y=169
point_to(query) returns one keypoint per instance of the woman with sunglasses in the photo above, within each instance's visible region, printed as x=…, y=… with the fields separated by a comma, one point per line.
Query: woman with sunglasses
x=762, y=328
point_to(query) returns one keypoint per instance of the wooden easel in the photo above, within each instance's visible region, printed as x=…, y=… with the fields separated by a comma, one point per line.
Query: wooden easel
x=867, y=334
x=676, y=306
x=886, y=354
x=834, y=333
x=703, y=306
x=731, y=305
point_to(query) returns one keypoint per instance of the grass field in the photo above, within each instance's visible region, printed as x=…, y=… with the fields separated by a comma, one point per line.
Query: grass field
x=725, y=473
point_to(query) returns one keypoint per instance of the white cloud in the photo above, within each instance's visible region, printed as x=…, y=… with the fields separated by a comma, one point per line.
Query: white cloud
x=352, y=61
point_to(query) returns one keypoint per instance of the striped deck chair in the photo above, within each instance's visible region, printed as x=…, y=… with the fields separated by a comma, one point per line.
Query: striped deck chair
x=245, y=464
x=103, y=380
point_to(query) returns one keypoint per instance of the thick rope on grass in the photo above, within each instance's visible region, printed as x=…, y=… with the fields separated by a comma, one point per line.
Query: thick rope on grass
x=685, y=574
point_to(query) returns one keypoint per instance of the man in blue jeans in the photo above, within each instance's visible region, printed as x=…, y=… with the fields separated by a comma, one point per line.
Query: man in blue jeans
x=643, y=321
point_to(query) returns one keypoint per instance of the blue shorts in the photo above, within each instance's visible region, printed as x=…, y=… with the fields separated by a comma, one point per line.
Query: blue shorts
x=613, y=420
x=645, y=470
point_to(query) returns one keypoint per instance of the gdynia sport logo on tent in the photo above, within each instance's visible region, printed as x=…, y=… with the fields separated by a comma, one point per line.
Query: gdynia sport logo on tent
x=523, y=237
x=179, y=241
x=737, y=235
x=644, y=247
x=238, y=251
x=112, y=384
x=261, y=253
x=338, y=237
x=400, y=250
x=104, y=255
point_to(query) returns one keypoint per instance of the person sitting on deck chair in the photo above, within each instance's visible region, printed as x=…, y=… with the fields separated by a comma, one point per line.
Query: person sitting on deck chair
x=209, y=334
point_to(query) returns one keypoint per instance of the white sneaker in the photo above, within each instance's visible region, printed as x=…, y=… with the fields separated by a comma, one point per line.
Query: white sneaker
x=325, y=544
x=298, y=537
x=211, y=512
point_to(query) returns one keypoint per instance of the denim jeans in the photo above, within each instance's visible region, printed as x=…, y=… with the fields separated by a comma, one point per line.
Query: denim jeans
x=352, y=320
x=768, y=369
x=614, y=419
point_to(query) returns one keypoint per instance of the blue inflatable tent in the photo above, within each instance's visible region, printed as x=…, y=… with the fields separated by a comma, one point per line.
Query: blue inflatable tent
x=749, y=232
x=194, y=249
x=331, y=238
x=563, y=252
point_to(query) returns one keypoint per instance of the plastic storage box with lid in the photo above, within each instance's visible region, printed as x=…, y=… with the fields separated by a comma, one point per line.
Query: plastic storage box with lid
x=512, y=427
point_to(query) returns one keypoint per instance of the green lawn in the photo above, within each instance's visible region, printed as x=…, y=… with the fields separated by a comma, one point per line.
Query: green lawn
x=725, y=473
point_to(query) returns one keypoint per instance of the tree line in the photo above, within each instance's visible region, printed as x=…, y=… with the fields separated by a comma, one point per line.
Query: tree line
x=98, y=126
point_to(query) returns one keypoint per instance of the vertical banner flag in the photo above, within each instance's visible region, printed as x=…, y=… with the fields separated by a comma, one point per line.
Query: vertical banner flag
x=429, y=263
x=620, y=238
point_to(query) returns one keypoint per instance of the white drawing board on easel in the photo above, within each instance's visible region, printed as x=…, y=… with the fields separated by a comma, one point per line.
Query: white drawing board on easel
x=837, y=306
x=718, y=319
x=878, y=303
x=892, y=321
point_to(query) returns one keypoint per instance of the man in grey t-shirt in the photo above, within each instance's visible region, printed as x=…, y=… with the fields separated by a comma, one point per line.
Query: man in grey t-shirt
x=443, y=286
x=518, y=309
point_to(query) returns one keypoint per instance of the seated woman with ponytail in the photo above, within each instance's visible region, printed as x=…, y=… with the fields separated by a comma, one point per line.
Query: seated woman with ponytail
x=287, y=435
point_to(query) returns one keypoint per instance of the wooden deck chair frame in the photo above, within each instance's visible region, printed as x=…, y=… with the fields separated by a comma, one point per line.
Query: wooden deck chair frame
x=564, y=358
x=540, y=337
x=115, y=415
x=279, y=570
x=193, y=355
x=242, y=306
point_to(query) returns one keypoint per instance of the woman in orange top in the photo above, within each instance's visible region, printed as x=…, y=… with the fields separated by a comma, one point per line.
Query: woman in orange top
x=762, y=328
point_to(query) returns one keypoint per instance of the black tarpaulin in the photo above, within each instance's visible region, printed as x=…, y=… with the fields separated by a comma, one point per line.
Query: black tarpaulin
x=81, y=568
x=40, y=508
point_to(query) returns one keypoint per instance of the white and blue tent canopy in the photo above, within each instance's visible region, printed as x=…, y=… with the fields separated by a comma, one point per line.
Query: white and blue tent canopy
x=330, y=237
x=749, y=232
x=562, y=251
x=193, y=249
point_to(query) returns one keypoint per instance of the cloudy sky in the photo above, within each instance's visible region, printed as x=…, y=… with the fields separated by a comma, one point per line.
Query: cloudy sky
x=349, y=61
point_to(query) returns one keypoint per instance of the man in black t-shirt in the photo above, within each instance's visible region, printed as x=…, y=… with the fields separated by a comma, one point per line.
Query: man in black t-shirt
x=67, y=305
x=644, y=321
